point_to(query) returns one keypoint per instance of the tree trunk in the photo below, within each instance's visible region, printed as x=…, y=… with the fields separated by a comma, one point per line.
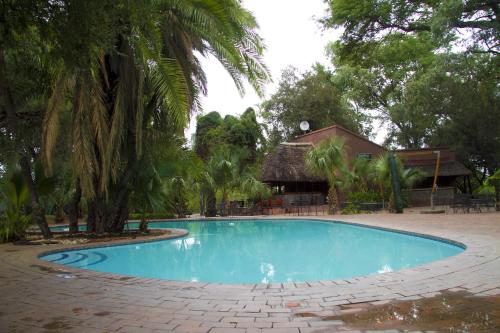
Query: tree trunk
x=202, y=204
x=333, y=200
x=59, y=214
x=100, y=215
x=143, y=226
x=211, y=204
x=223, y=211
x=91, y=223
x=11, y=118
x=37, y=212
x=74, y=208
x=112, y=215
x=118, y=219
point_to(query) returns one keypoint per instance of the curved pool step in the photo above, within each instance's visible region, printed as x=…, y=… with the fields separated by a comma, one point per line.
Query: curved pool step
x=78, y=259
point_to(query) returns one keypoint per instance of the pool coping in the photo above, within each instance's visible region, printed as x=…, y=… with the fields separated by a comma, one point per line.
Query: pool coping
x=175, y=233
x=303, y=284
x=267, y=306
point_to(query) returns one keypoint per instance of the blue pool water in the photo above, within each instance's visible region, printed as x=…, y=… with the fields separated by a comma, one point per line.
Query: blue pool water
x=255, y=251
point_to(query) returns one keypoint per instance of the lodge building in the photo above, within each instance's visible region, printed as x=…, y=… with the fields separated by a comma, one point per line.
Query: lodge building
x=285, y=170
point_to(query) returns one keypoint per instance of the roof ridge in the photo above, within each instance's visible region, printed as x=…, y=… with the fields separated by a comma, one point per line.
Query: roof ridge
x=342, y=128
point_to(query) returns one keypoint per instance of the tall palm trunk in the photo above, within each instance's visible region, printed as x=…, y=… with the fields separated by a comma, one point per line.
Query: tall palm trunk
x=202, y=204
x=333, y=199
x=91, y=222
x=37, y=212
x=59, y=214
x=143, y=225
x=211, y=209
x=74, y=208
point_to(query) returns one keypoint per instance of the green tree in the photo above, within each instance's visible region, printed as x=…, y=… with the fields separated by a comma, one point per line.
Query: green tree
x=382, y=176
x=224, y=170
x=14, y=200
x=494, y=181
x=254, y=189
x=312, y=96
x=428, y=69
x=473, y=23
x=242, y=133
x=328, y=159
x=207, y=134
x=23, y=56
x=143, y=80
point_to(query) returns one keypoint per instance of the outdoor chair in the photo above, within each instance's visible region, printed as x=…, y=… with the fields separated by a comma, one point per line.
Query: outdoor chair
x=482, y=203
x=461, y=202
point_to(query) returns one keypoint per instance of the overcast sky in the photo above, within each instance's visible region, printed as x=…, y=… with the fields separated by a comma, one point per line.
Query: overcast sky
x=292, y=36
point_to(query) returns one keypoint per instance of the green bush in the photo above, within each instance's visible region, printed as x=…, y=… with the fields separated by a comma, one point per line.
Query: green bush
x=13, y=227
x=351, y=208
x=364, y=196
x=152, y=216
x=14, y=199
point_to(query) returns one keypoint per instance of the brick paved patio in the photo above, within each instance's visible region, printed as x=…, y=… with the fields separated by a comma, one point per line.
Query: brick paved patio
x=37, y=296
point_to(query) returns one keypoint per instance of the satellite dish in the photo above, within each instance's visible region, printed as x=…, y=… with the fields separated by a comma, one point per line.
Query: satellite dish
x=304, y=125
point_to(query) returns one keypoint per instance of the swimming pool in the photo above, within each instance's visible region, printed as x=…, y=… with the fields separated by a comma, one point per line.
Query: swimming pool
x=262, y=251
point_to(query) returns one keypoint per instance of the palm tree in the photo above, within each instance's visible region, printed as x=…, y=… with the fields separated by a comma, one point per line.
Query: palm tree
x=224, y=169
x=494, y=180
x=14, y=197
x=177, y=189
x=254, y=189
x=382, y=176
x=328, y=159
x=144, y=83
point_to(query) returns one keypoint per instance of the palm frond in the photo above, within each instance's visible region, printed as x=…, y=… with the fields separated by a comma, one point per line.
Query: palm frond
x=51, y=121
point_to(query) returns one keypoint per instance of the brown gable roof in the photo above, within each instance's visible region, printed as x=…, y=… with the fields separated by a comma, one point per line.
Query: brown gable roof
x=287, y=164
x=338, y=128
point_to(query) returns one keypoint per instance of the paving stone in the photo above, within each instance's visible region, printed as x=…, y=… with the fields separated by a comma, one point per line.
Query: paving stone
x=280, y=330
x=151, y=305
x=227, y=330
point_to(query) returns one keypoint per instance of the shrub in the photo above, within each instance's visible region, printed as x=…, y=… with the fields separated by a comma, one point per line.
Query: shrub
x=13, y=226
x=364, y=196
x=351, y=208
x=150, y=216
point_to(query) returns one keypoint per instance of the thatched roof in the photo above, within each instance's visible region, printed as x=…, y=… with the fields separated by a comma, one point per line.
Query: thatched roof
x=446, y=169
x=287, y=164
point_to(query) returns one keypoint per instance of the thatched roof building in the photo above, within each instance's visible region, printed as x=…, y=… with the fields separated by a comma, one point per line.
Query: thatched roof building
x=285, y=169
x=287, y=164
x=425, y=159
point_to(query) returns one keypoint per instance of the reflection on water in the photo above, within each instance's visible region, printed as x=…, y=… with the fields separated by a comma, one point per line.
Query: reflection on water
x=385, y=269
x=449, y=312
x=268, y=271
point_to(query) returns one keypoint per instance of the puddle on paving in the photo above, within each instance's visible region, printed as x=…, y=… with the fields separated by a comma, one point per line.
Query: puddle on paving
x=448, y=312
x=102, y=314
x=58, y=324
x=78, y=311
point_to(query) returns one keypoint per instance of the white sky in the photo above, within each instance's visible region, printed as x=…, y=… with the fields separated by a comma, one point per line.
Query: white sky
x=292, y=36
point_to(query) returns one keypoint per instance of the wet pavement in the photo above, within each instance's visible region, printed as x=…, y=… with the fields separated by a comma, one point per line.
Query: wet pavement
x=38, y=296
x=448, y=312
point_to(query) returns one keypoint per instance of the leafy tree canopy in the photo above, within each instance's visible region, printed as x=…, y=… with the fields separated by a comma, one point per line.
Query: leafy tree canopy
x=428, y=69
x=243, y=134
x=473, y=24
x=312, y=96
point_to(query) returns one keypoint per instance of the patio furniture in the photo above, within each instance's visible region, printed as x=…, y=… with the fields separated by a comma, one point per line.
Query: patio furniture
x=461, y=202
x=481, y=203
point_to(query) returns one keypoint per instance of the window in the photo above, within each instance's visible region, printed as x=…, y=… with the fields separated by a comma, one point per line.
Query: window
x=366, y=156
